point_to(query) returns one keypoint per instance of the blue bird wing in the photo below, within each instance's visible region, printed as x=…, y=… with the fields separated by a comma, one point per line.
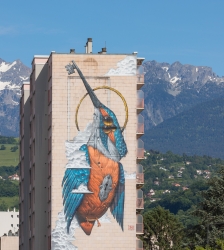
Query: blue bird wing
x=117, y=206
x=73, y=178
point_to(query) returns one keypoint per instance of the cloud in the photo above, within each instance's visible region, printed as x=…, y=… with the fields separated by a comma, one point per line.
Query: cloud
x=7, y=30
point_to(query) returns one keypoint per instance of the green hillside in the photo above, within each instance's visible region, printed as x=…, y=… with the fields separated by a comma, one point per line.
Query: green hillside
x=9, y=159
x=174, y=182
x=199, y=131
x=9, y=151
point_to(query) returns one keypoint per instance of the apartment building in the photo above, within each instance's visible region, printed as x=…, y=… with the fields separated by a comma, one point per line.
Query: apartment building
x=81, y=178
x=9, y=222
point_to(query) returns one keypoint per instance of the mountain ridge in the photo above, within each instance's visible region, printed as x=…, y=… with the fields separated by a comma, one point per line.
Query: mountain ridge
x=173, y=88
x=12, y=76
x=191, y=133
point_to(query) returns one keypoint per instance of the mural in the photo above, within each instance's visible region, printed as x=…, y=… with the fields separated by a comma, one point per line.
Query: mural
x=95, y=182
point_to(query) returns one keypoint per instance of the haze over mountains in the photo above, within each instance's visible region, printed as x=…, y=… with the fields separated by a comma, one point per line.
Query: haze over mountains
x=170, y=90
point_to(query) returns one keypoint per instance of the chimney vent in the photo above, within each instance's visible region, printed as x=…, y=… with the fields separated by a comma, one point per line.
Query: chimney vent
x=103, y=51
x=72, y=51
x=89, y=46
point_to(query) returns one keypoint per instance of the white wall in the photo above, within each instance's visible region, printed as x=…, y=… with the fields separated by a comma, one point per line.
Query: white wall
x=9, y=221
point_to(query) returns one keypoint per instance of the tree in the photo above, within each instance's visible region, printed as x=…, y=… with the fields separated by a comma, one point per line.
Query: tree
x=211, y=211
x=161, y=229
x=2, y=147
x=14, y=148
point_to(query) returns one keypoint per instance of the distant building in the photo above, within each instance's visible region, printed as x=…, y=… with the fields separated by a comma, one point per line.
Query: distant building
x=170, y=177
x=207, y=172
x=166, y=191
x=188, y=162
x=199, y=172
x=151, y=192
x=185, y=188
x=14, y=177
x=176, y=184
x=9, y=243
x=156, y=183
x=9, y=223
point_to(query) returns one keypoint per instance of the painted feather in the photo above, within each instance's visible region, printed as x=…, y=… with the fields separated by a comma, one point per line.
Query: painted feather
x=73, y=178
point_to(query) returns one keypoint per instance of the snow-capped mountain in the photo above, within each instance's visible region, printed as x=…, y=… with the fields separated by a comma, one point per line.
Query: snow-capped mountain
x=12, y=75
x=173, y=88
x=169, y=90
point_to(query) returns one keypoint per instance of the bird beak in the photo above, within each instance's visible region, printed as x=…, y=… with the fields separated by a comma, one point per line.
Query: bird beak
x=95, y=100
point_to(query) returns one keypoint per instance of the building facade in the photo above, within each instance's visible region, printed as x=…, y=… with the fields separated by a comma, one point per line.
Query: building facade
x=9, y=243
x=9, y=222
x=80, y=152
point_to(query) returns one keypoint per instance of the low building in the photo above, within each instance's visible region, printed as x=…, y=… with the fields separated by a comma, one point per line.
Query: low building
x=9, y=223
x=9, y=243
x=166, y=191
x=14, y=177
x=199, y=172
x=176, y=184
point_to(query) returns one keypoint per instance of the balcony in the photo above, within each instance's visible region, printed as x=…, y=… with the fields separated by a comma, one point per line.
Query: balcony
x=140, y=101
x=140, y=77
x=139, y=176
x=139, y=224
x=139, y=244
x=140, y=126
x=140, y=150
x=139, y=200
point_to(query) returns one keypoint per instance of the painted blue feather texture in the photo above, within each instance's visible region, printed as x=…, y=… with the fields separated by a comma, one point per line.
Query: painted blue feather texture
x=73, y=178
x=117, y=207
x=119, y=139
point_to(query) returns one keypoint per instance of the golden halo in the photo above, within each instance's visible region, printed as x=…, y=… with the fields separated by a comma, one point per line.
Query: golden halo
x=112, y=89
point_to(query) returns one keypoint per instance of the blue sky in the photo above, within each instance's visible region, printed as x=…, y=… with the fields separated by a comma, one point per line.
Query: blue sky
x=190, y=31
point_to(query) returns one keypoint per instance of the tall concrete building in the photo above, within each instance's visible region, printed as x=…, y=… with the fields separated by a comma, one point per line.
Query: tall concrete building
x=81, y=125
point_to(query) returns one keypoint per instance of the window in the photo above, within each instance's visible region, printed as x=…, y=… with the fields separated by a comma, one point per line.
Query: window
x=49, y=95
x=12, y=216
x=11, y=225
x=49, y=169
x=49, y=193
x=29, y=200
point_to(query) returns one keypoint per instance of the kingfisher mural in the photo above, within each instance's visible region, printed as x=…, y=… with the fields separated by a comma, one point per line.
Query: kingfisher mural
x=91, y=189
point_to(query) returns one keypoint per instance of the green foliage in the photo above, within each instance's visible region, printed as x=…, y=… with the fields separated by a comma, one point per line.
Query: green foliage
x=5, y=171
x=2, y=147
x=14, y=148
x=161, y=228
x=211, y=210
x=8, y=140
x=9, y=203
x=8, y=188
x=183, y=203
